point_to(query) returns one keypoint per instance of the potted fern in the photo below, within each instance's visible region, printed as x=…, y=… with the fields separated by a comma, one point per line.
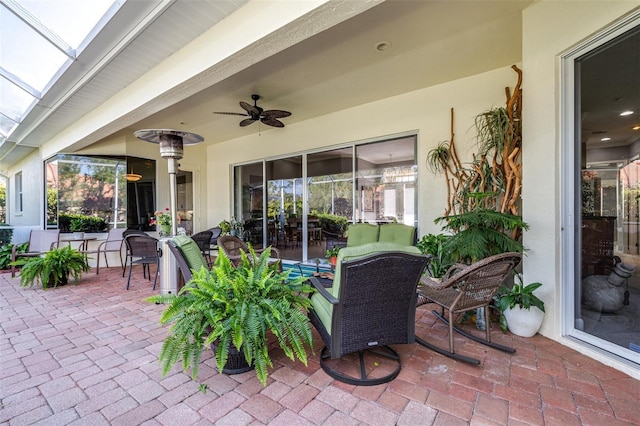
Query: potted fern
x=234, y=308
x=53, y=268
x=522, y=311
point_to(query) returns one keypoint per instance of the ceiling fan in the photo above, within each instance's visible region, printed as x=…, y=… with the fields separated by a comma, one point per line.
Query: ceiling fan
x=255, y=113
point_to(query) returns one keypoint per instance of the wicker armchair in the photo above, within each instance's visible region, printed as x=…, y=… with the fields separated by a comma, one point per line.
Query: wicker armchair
x=370, y=306
x=234, y=246
x=187, y=255
x=465, y=288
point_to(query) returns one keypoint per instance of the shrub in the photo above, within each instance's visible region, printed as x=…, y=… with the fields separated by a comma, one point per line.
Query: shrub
x=5, y=234
x=5, y=253
x=84, y=223
x=333, y=223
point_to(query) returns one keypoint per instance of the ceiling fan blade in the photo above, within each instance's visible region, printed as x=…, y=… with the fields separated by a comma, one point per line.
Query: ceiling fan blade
x=276, y=113
x=246, y=122
x=249, y=108
x=242, y=114
x=272, y=122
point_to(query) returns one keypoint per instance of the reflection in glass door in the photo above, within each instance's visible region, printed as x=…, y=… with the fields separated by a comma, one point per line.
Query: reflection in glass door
x=330, y=194
x=249, y=204
x=386, y=181
x=284, y=206
x=607, y=284
x=184, y=181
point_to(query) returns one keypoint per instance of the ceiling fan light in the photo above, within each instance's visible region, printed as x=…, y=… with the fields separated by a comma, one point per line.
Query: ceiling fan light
x=133, y=177
x=625, y=113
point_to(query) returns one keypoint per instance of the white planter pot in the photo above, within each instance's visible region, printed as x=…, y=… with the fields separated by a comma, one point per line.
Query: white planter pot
x=523, y=322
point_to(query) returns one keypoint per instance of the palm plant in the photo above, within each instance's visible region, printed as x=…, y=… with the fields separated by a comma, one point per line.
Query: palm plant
x=236, y=306
x=481, y=233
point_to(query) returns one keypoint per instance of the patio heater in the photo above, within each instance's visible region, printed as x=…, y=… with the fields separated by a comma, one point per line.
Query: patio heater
x=171, y=147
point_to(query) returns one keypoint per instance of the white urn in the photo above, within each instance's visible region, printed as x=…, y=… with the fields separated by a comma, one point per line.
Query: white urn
x=523, y=322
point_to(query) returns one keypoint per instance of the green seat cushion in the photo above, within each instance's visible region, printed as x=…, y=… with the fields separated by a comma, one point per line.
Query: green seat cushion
x=362, y=233
x=397, y=233
x=322, y=307
x=190, y=251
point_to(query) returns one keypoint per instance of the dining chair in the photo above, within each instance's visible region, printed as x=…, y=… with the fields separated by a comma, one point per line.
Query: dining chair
x=113, y=244
x=143, y=250
x=203, y=240
x=40, y=242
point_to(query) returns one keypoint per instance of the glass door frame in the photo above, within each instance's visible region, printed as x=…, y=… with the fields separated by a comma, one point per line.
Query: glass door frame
x=570, y=137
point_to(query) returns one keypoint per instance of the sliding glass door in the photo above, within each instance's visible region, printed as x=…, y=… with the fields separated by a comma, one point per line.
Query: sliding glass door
x=311, y=197
x=386, y=181
x=284, y=208
x=605, y=288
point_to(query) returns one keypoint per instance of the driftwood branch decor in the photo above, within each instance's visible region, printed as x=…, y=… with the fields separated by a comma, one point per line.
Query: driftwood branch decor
x=493, y=179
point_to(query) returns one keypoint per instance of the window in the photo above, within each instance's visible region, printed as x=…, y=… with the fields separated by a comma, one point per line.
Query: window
x=95, y=186
x=19, y=192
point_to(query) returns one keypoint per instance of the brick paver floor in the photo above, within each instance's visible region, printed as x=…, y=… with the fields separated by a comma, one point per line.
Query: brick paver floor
x=87, y=355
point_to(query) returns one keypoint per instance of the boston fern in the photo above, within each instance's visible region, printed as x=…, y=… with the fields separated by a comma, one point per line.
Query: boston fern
x=53, y=268
x=236, y=305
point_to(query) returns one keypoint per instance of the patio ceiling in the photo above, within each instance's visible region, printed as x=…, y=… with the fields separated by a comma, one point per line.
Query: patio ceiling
x=428, y=43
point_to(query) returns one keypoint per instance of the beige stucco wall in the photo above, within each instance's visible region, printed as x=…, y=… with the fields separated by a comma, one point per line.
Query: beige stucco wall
x=549, y=29
x=32, y=197
x=425, y=112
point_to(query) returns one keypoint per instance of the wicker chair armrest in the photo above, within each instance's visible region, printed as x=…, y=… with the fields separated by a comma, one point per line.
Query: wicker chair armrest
x=453, y=270
x=234, y=258
x=323, y=291
x=431, y=282
x=275, y=253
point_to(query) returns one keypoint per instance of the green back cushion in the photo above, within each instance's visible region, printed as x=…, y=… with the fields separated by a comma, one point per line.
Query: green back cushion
x=322, y=307
x=397, y=233
x=190, y=251
x=362, y=233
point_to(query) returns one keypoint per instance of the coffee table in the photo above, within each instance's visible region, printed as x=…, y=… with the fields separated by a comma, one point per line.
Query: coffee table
x=320, y=264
